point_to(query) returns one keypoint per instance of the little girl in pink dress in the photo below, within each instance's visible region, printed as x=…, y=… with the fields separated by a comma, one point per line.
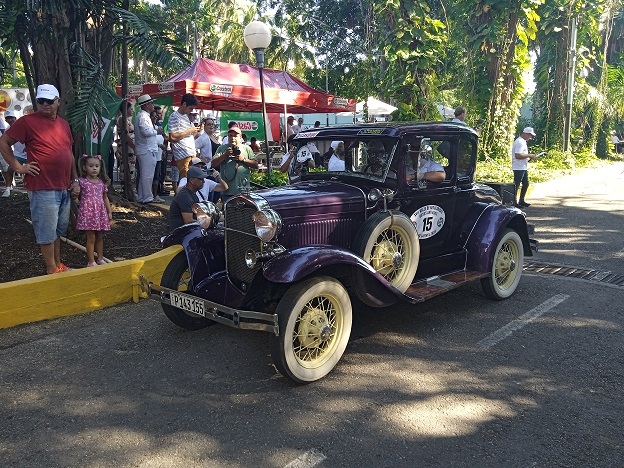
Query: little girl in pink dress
x=94, y=210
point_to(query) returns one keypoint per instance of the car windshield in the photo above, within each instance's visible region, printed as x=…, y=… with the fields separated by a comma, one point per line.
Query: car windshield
x=369, y=156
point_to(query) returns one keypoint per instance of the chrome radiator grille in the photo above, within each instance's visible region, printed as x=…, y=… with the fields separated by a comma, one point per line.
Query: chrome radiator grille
x=240, y=236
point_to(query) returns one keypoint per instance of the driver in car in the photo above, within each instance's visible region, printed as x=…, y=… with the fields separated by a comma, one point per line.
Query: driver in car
x=427, y=168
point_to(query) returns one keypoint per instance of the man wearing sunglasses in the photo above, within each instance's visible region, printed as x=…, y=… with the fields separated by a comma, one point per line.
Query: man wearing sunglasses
x=49, y=171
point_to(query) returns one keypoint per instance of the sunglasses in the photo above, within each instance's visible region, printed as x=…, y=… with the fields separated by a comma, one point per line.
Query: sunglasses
x=42, y=101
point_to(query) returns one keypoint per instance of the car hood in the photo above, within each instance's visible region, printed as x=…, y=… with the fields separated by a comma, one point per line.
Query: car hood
x=312, y=199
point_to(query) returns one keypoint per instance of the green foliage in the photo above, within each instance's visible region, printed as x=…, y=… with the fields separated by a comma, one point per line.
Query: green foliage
x=550, y=166
x=274, y=179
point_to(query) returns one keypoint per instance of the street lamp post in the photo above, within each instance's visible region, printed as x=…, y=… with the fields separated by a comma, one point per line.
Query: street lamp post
x=258, y=37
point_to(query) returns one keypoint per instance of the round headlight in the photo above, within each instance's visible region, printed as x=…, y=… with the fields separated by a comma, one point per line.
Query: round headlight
x=374, y=195
x=206, y=213
x=267, y=223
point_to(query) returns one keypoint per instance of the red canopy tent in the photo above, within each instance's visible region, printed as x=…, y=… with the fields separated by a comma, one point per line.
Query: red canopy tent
x=236, y=87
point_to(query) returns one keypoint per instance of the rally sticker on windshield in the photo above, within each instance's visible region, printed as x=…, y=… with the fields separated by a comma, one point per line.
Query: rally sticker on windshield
x=428, y=220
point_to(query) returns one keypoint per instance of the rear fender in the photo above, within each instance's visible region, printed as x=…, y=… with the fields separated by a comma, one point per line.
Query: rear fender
x=482, y=239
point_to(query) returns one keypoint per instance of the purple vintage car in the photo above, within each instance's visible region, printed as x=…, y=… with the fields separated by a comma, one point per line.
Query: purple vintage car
x=397, y=217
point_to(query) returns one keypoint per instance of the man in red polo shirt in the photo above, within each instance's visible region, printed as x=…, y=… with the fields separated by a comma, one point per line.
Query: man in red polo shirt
x=49, y=172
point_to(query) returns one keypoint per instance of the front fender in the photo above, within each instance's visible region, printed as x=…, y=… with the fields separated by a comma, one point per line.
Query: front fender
x=487, y=231
x=294, y=265
x=297, y=264
x=204, y=249
x=182, y=235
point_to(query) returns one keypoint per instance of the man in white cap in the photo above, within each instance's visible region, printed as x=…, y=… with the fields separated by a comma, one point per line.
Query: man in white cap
x=520, y=157
x=146, y=150
x=49, y=172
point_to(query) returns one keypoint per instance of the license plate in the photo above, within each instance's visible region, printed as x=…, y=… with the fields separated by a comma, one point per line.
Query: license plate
x=188, y=303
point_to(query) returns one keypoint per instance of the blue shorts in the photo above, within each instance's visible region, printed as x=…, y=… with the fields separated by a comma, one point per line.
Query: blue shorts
x=49, y=210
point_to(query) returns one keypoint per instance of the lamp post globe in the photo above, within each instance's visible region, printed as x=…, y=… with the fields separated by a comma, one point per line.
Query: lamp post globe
x=257, y=37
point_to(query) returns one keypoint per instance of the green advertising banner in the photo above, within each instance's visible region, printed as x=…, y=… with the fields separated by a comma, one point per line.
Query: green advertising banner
x=250, y=123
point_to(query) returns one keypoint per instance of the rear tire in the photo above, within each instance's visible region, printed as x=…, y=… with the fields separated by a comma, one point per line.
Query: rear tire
x=177, y=276
x=506, y=269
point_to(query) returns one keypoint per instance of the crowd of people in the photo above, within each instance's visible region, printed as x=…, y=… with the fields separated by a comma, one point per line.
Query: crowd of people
x=200, y=165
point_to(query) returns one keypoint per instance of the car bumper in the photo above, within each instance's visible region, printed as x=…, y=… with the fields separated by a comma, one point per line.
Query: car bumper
x=235, y=318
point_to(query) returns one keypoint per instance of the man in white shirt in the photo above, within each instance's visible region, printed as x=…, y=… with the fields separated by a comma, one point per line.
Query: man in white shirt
x=217, y=185
x=182, y=133
x=520, y=157
x=146, y=149
x=203, y=143
x=618, y=144
x=425, y=168
x=297, y=164
x=7, y=172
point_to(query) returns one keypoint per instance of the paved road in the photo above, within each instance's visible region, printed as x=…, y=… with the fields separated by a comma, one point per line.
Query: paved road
x=459, y=381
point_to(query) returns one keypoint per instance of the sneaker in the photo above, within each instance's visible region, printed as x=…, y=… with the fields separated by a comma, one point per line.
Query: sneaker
x=524, y=204
x=158, y=200
x=7, y=192
x=101, y=262
x=91, y=264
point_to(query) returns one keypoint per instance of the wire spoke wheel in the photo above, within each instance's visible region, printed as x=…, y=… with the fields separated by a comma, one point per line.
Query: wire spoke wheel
x=506, y=267
x=315, y=323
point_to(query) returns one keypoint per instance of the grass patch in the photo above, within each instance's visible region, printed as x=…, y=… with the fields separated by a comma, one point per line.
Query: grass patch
x=552, y=165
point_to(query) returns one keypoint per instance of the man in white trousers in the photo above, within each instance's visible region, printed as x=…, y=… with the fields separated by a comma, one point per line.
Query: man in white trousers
x=146, y=149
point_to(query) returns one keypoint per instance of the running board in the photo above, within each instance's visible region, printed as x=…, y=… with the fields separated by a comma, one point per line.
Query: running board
x=425, y=289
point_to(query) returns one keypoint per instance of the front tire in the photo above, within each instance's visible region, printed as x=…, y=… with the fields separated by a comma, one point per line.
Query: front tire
x=314, y=319
x=177, y=276
x=506, y=269
x=388, y=241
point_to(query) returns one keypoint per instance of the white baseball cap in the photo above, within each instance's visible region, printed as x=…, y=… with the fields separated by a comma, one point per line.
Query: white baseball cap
x=196, y=160
x=529, y=130
x=9, y=113
x=334, y=144
x=47, y=91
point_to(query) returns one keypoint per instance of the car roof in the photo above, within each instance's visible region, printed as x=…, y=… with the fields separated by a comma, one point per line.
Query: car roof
x=386, y=129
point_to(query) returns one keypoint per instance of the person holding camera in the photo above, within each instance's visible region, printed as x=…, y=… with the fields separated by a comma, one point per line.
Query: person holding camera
x=235, y=162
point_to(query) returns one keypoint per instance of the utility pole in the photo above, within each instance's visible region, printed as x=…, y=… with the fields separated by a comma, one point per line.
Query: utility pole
x=570, y=97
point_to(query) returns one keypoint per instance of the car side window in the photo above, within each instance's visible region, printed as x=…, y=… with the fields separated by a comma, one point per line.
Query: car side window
x=466, y=154
x=434, y=157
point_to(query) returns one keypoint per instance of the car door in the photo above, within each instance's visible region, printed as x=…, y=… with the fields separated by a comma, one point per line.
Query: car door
x=430, y=205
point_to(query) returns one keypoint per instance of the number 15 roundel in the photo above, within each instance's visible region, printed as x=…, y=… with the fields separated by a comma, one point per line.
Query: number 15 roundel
x=428, y=220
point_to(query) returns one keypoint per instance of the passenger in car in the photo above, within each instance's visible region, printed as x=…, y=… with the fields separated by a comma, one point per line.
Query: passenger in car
x=337, y=162
x=426, y=169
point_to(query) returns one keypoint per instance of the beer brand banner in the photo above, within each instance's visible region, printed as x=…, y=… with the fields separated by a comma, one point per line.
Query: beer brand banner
x=250, y=124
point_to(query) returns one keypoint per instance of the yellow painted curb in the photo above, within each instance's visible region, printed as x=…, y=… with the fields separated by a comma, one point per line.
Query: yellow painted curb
x=79, y=291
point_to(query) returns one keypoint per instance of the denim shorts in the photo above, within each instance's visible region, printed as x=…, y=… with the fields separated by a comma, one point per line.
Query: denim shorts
x=49, y=210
